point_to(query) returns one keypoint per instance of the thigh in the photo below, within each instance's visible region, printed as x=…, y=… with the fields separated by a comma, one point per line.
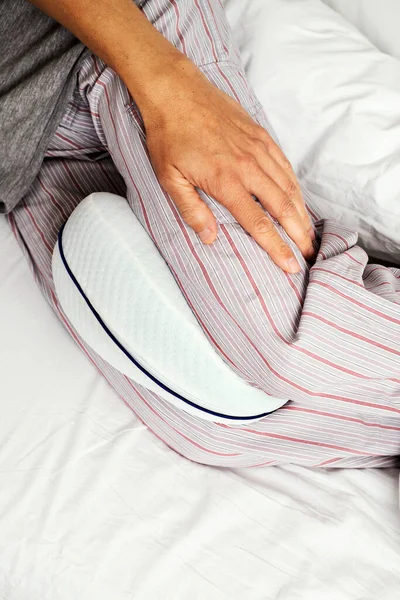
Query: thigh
x=326, y=338
x=311, y=430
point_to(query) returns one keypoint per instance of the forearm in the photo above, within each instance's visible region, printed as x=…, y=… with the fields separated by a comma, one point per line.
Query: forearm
x=118, y=32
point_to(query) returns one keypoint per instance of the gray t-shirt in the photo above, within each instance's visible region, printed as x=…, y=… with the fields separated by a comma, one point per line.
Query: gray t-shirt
x=39, y=61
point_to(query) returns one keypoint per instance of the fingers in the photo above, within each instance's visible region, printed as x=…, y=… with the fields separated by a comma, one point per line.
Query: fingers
x=279, y=202
x=281, y=173
x=280, y=158
x=193, y=210
x=254, y=220
x=243, y=208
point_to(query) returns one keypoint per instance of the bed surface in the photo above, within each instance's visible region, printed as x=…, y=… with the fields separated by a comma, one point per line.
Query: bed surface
x=93, y=506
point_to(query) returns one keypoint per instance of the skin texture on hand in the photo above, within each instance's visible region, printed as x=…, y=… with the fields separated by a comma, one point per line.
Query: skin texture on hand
x=197, y=136
x=208, y=141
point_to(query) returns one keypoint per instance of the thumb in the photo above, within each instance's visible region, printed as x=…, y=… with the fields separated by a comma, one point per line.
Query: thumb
x=193, y=210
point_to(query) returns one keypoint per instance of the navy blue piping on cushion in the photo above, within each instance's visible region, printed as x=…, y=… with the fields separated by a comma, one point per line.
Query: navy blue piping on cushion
x=131, y=358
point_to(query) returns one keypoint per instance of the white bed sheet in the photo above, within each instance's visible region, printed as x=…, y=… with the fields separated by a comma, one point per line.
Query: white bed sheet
x=93, y=506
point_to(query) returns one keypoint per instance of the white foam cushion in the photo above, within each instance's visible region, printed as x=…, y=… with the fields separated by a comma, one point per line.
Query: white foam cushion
x=122, y=299
x=333, y=100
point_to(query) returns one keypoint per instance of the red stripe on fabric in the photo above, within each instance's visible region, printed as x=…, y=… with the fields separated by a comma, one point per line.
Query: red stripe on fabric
x=228, y=82
x=52, y=198
x=49, y=248
x=351, y=333
x=263, y=464
x=80, y=108
x=102, y=84
x=180, y=433
x=217, y=26
x=178, y=32
x=308, y=442
x=72, y=177
x=328, y=462
x=312, y=214
x=357, y=302
x=213, y=340
x=207, y=31
x=13, y=226
x=76, y=146
x=342, y=239
x=337, y=275
x=322, y=413
x=377, y=268
x=69, y=141
x=294, y=288
x=72, y=332
x=383, y=283
x=347, y=253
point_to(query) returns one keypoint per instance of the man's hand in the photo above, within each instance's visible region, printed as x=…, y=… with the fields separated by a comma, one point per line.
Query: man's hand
x=198, y=137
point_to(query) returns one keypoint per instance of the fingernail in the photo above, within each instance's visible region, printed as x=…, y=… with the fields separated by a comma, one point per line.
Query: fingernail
x=292, y=265
x=206, y=235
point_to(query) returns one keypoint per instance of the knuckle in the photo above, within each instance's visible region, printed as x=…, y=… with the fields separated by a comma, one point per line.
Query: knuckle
x=287, y=165
x=226, y=188
x=262, y=225
x=305, y=238
x=191, y=215
x=258, y=144
x=291, y=190
x=218, y=170
x=247, y=161
x=287, y=208
x=264, y=136
x=261, y=132
x=221, y=175
x=283, y=251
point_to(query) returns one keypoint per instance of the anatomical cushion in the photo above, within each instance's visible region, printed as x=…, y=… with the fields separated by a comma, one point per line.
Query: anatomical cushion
x=120, y=296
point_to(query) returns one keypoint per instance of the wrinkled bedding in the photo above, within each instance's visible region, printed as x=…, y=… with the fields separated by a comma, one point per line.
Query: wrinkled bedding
x=92, y=505
x=333, y=100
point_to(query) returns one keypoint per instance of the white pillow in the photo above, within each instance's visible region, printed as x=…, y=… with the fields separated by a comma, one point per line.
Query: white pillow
x=126, y=305
x=333, y=100
x=378, y=20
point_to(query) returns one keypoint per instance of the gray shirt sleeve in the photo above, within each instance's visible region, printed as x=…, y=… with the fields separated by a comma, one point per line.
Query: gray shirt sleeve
x=39, y=61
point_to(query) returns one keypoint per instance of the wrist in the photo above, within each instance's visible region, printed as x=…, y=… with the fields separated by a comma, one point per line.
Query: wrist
x=163, y=81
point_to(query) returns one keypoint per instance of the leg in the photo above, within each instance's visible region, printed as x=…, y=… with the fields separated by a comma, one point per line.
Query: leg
x=328, y=338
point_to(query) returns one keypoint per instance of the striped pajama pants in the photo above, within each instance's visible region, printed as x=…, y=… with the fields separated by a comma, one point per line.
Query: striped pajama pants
x=328, y=338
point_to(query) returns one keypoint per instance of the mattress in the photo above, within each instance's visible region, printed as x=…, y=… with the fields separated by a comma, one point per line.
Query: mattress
x=93, y=506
